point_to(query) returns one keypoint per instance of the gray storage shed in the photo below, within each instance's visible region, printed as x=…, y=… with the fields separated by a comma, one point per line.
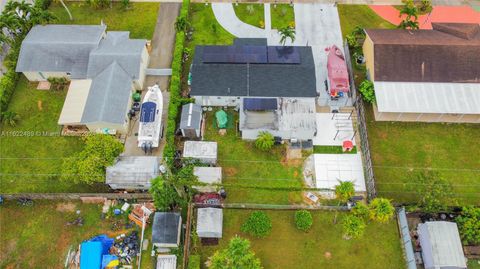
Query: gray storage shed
x=132, y=172
x=166, y=229
x=209, y=222
x=191, y=120
x=203, y=151
x=441, y=245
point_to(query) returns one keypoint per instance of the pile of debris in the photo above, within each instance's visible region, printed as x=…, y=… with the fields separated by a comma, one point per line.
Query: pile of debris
x=127, y=247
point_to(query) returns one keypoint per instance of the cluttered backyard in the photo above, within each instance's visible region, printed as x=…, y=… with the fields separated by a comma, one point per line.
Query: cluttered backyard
x=56, y=229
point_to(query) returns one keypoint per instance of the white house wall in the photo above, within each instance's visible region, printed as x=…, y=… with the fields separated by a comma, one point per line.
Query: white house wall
x=36, y=76
x=217, y=100
x=145, y=60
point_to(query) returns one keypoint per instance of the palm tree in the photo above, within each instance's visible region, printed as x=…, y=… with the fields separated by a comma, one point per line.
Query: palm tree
x=381, y=210
x=343, y=192
x=286, y=32
x=265, y=141
x=10, y=118
x=66, y=8
x=353, y=227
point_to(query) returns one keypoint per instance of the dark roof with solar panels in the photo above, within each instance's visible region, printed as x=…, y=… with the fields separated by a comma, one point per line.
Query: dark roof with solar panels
x=251, y=68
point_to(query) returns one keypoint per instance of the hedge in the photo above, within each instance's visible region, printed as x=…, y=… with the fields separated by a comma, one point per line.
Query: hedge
x=9, y=80
x=194, y=262
x=175, y=89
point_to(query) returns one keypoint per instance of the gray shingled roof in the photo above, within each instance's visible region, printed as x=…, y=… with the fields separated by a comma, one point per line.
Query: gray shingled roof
x=195, y=116
x=118, y=47
x=109, y=95
x=165, y=228
x=261, y=80
x=59, y=48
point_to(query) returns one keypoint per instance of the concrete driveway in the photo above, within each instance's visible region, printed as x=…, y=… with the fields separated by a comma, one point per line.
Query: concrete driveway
x=318, y=26
x=161, y=55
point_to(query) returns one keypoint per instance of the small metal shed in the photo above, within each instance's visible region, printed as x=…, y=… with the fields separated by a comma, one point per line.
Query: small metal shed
x=191, y=120
x=209, y=222
x=132, y=172
x=208, y=175
x=166, y=229
x=205, y=152
x=441, y=245
x=166, y=262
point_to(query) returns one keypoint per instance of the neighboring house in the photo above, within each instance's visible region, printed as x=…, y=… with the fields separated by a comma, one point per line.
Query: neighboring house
x=132, y=172
x=166, y=230
x=441, y=245
x=425, y=75
x=249, y=71
x=105, y=68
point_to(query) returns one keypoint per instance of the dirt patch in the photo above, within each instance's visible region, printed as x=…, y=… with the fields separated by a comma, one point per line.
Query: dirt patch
x=292, y=163
x=39, y=105
x=230, y=171
x=383, y=135
x=66, y=207
x=7, y=249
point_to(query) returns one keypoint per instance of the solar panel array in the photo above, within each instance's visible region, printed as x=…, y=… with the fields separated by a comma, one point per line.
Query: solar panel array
x=251, y=54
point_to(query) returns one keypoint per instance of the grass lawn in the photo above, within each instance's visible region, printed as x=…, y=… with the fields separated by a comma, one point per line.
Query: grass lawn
x=33, y=150
x=282, y=16
x=288, y=247
x=140, y=19
x=473, y=264
x=360, y=15
x=400, y=149
x=251, y=175
x=254, y=17
x=38, y=237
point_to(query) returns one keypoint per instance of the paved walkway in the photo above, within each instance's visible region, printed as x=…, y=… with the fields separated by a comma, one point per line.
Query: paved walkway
x=163, y=42
x=464, y=14
x=225, y=15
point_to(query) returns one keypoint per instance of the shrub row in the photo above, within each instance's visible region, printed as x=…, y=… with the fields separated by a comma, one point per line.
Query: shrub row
x=194, y=262
x=175, y=89
x=10, y=78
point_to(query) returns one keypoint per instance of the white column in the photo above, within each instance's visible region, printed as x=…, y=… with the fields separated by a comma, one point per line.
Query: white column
x=268, y=20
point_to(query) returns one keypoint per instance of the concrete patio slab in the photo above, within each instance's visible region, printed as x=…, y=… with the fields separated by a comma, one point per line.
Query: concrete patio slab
x=330, y=168
x=333, y=129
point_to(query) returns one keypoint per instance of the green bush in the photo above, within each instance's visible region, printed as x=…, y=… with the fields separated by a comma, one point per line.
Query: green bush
x=303, y=220
x=265, y=141
x=9, y=80
x=469, y=225
x=367, y=91
x=258, y=224
x=353, y=226
x=175, y=89
x=361, y=210
x=194, y=262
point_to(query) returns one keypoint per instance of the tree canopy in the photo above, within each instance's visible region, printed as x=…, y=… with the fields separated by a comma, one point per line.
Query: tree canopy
x=381, y=210
x=344, y=191
x=264, y=141
x=469, y=225
x=89, y=165
x=237, y=255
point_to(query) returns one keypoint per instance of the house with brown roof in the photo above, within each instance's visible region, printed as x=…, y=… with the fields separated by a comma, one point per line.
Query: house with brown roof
x=425, y=75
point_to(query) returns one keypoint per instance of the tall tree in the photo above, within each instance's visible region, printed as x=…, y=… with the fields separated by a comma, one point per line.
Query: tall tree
x=164, y=194
x=18, y=18
x=410, y=11
x=237, y=255
x=286, y=33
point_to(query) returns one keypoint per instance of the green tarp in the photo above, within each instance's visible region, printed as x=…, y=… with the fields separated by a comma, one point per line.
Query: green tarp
x=222, y=119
